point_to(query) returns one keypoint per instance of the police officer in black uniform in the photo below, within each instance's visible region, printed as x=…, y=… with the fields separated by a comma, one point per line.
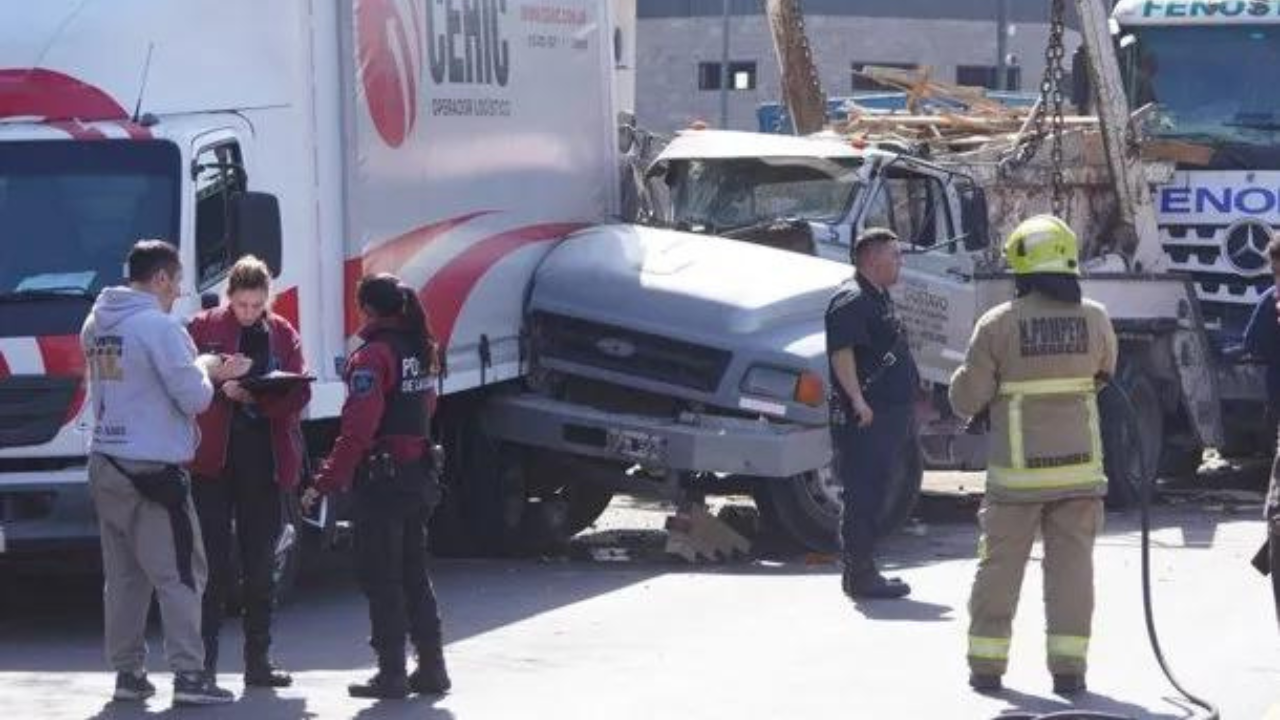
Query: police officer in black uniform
x=873, y=382
x=383, y=444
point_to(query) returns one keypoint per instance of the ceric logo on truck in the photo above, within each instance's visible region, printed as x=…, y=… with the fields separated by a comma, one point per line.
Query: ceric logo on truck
x=1210, y=8
x=458, y=42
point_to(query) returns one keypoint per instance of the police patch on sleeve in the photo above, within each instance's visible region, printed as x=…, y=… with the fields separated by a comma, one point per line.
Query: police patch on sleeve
x=362, y=382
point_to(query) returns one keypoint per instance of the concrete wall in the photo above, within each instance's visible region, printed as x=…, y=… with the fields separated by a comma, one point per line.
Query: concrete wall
x=669, y=50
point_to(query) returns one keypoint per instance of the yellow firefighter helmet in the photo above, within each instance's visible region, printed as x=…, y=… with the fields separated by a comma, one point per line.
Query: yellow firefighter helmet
x=1043, y=244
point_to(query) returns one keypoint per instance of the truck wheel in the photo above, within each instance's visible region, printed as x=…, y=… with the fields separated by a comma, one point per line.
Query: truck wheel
x=1132, y=435
x=484, y=491
x=806, y=508
x=555, y=477
x=1181, y=462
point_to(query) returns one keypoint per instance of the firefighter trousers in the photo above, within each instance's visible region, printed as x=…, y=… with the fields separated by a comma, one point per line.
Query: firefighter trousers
x=1069, y=528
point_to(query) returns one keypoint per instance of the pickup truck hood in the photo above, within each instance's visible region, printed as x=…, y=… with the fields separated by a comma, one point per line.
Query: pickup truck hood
x=683, y=285
x=683, y=315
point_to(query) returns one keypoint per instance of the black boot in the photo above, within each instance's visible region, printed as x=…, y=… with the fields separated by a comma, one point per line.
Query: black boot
x=985, y=683
x=875, y=586
x=259, y=671
x=862, y=580
x=430, y=677
x=382, y=686
x=1068, y=684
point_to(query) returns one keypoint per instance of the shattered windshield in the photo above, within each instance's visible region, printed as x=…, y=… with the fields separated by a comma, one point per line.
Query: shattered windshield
x=715, y=195
x=1210, y=83
x=69, y=212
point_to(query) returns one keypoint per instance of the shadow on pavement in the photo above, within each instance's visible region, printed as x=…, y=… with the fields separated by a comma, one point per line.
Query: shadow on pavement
x=264, y=706
x=1021, y=702
x=55, y=624
x=905, y=610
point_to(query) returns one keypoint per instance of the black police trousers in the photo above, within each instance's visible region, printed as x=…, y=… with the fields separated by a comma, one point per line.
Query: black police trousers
x=866, y=462
x=247, y=495
x=390, y=518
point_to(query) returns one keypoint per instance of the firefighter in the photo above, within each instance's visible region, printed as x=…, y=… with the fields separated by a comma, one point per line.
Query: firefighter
x=1033, y=366
x=872, y=422
x=383, y=449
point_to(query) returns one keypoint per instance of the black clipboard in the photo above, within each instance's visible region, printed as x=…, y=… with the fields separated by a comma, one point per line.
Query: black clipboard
x=274, y=382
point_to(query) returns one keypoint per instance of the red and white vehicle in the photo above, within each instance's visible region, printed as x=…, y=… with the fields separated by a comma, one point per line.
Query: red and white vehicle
x=455, y=143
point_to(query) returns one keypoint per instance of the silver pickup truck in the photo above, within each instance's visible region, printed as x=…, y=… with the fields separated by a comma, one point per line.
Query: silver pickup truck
x=681, y=364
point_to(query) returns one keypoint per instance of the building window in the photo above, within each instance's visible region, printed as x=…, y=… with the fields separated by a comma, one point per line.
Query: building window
x=984, y=76
x=742, y=75
x=861, y=83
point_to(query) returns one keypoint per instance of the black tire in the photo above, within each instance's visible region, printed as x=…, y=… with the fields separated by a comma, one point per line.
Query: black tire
x=484, y=492
x=805, y=509
x=562, y=479
x=1132, y=435
x=587, y=503
x=1180, y=462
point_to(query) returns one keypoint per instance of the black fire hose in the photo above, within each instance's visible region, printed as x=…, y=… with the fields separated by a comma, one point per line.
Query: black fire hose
x=1148, y=480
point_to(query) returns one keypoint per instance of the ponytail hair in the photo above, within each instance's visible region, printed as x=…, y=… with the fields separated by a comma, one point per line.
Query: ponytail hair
x=384, y=296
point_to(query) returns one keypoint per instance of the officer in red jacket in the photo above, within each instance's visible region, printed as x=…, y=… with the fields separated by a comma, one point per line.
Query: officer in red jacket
x=384, y=450
x=250, y=454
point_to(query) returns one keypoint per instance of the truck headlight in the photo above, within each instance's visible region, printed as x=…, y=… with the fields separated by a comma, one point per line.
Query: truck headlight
x=780, y=384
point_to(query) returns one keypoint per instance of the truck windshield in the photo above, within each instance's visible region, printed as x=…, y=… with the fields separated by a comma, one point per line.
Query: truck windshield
x=715, y=195
x=69, y=211
x=1210, y=83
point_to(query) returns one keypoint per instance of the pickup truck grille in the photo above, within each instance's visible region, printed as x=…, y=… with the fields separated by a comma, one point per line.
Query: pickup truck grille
x=616, y=349
x=33, y=409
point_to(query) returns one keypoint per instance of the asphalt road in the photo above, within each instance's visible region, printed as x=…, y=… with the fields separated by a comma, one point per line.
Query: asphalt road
x=643, y=636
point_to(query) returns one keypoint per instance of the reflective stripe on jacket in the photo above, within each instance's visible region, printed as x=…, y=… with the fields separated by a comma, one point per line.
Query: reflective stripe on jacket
x=1032, y=363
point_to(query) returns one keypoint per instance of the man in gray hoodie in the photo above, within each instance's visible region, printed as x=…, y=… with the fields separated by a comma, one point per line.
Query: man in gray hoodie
x=146, y=386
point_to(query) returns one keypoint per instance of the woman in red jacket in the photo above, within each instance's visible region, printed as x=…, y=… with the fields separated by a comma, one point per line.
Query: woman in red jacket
x=250, y=453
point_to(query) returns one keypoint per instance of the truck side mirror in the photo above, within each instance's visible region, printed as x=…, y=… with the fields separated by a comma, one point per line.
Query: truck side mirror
x=1081, y=85
x=973, y=218
x=256, y=228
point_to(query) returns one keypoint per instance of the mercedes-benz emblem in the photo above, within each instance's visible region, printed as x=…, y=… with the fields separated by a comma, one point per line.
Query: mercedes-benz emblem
x=1245, y=247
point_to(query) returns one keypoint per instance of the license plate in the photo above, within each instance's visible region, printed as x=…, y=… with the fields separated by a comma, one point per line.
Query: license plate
x=635, y=445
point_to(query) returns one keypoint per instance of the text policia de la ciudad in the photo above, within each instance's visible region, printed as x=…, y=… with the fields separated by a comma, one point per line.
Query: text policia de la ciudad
x=467, y=45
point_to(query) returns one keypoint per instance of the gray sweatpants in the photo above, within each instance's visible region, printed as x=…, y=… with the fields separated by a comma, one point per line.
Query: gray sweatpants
x=139, y=557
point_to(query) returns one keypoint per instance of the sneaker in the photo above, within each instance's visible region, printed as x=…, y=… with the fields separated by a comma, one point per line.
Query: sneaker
x=430, y=677
x=1068, y=684
x=985, y=683
x=131, y=686
x=197, y=688
x=381, y=687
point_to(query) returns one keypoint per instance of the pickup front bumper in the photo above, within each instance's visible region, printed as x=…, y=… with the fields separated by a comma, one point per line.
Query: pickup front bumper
x=695, y=443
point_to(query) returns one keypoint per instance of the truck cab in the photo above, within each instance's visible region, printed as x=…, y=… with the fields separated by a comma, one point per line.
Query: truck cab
x=1204, y=69
x=73, y=200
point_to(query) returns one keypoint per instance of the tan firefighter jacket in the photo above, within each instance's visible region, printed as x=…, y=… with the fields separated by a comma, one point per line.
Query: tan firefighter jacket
x=1034, y=363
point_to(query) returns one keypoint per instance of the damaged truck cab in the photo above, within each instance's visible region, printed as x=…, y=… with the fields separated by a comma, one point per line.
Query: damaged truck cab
x=814, y=194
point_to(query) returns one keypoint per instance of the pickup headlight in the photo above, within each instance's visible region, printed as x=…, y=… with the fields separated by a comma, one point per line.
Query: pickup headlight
x=780, y=384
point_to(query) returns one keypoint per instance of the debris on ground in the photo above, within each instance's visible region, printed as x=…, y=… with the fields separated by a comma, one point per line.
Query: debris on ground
x=693, y=533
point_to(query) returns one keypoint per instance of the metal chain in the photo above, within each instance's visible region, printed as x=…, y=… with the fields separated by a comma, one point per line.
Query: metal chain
x=1051, y=101
x=814, y=81
x=798, y=30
